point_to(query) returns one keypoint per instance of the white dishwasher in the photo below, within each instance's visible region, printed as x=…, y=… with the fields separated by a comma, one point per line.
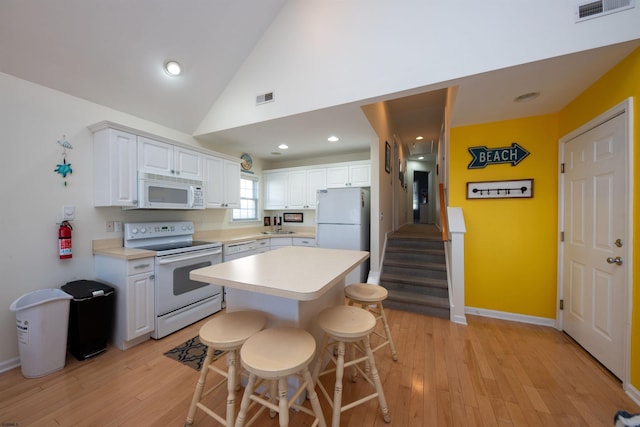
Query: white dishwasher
x=231, y=251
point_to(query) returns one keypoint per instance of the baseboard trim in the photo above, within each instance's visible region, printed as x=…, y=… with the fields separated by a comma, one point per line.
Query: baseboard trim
x=7, y=365
x=633, y=393
x=534, y=320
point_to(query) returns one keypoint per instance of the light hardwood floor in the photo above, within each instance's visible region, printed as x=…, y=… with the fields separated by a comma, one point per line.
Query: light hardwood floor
x=489, y=373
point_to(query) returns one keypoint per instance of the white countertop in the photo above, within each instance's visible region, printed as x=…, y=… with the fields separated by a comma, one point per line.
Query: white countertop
x=115, y=249
x=296, y=272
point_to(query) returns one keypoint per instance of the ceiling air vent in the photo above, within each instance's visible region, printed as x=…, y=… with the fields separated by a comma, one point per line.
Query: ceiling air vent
x=599, y=8
x=264, y=98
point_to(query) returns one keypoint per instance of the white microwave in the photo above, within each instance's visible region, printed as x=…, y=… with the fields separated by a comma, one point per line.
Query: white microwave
x=166, y=192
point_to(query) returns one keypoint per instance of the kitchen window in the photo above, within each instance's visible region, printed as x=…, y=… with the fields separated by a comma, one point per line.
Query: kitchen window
x=248, y=210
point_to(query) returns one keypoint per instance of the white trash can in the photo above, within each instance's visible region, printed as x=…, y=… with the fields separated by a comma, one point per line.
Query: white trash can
x=42, y=319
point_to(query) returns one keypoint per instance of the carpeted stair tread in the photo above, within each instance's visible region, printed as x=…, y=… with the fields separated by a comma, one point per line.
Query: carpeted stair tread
x=414, y=264
x=413, y=280
x=405, y=249
x=414, y=271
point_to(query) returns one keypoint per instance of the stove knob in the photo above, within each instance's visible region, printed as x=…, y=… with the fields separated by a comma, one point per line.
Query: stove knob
x=134, y=231
x=143, y=230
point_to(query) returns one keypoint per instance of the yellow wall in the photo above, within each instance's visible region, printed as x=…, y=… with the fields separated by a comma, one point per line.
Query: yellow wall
x=510, y=244
x=622, y=82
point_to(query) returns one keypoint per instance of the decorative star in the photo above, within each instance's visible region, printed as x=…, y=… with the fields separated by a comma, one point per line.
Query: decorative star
x=64, y=168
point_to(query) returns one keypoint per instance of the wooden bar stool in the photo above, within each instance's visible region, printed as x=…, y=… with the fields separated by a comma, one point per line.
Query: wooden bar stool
x=347, y=324
x=275, y=355
x=366, y=295
x=225, y=332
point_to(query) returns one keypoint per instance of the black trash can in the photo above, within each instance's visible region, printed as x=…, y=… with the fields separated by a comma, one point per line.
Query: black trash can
x=90, y=317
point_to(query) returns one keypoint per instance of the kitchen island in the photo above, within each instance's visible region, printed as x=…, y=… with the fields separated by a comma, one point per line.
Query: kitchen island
x=291, y=285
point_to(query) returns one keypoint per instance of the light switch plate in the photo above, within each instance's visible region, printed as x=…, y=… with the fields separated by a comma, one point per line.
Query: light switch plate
x=68, y=213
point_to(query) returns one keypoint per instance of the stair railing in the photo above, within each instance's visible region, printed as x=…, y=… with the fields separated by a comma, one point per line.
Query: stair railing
x=455, y=264
x=443, y=216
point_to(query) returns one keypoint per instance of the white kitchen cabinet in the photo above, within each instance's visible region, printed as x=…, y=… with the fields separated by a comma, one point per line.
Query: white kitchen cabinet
x=293, y=189
x=114, y=168
x=296, y=190
x=303, y=241
x=221, y=182
x=263, y=245
x=316, y=180
x=170, y=160
x=133, y=281
x=279, y=242
x=275, y=190
x=302, y=186
x=354, y=174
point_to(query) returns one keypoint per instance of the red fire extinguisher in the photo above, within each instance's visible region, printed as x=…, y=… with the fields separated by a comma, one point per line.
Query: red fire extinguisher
x=64, y=240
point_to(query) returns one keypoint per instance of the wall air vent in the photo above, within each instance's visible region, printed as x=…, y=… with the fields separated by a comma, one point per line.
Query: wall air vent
x=264, y=98
x=596, y=9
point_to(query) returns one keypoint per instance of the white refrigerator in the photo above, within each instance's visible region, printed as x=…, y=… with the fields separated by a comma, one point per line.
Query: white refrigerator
x=342, y=222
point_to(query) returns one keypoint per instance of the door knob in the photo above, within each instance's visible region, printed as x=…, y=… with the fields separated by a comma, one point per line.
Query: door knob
x=617, y=260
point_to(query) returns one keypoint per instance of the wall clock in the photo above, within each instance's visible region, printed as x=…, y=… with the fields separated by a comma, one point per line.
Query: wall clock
x=247, y=162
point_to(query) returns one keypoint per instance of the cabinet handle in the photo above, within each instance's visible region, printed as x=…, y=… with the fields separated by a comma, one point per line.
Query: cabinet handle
x=139, y=266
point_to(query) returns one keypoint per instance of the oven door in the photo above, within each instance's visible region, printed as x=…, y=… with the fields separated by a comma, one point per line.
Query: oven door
x=174, y=289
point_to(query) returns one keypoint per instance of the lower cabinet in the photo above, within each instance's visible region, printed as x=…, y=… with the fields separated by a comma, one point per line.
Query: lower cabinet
x=134, y=284
x=303, y=241
x=264, y=245
x=278, y=242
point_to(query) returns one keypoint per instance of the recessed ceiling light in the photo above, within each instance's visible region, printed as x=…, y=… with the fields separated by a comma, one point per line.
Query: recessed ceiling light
x=283, y=146
x=530, y=96
x=333, y=139
x=172, y=68
x=421, y=158
x=419, y=138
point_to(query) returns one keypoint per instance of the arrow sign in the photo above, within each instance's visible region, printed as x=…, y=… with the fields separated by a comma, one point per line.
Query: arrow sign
x=483, y=156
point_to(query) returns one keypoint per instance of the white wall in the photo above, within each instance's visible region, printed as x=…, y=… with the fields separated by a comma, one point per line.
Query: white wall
x=364, y=49
x=32, y=120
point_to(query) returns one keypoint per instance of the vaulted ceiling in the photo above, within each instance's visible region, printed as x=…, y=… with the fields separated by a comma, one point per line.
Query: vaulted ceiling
x=112, y=53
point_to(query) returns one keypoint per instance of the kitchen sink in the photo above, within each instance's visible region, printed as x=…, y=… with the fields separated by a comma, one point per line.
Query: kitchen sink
x=278, y=232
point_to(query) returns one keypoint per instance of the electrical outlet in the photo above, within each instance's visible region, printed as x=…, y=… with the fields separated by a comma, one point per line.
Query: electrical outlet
x=110, y=226
x=117, y=226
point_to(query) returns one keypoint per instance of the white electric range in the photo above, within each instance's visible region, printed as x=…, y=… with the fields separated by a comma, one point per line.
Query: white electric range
x=179, y=301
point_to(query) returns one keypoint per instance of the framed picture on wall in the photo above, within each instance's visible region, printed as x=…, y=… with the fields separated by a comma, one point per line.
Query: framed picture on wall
x=387, y=157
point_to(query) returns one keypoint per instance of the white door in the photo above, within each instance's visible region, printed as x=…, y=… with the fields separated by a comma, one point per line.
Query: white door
x=595, y=236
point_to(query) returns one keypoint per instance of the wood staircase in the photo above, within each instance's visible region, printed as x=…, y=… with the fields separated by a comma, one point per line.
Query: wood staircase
x=414, y=271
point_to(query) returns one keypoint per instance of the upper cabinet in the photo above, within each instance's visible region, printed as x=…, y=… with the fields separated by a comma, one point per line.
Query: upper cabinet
x=302, y=187
x=165, y=159
x=221, y=183
x=297, y=188
x=353, y=174
x=114, y=162
x=121, y=154
x=293, y=189
x=275, y=190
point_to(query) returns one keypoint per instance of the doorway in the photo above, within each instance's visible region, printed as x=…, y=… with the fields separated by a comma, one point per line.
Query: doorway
x=595, y=215
x=421, y=197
